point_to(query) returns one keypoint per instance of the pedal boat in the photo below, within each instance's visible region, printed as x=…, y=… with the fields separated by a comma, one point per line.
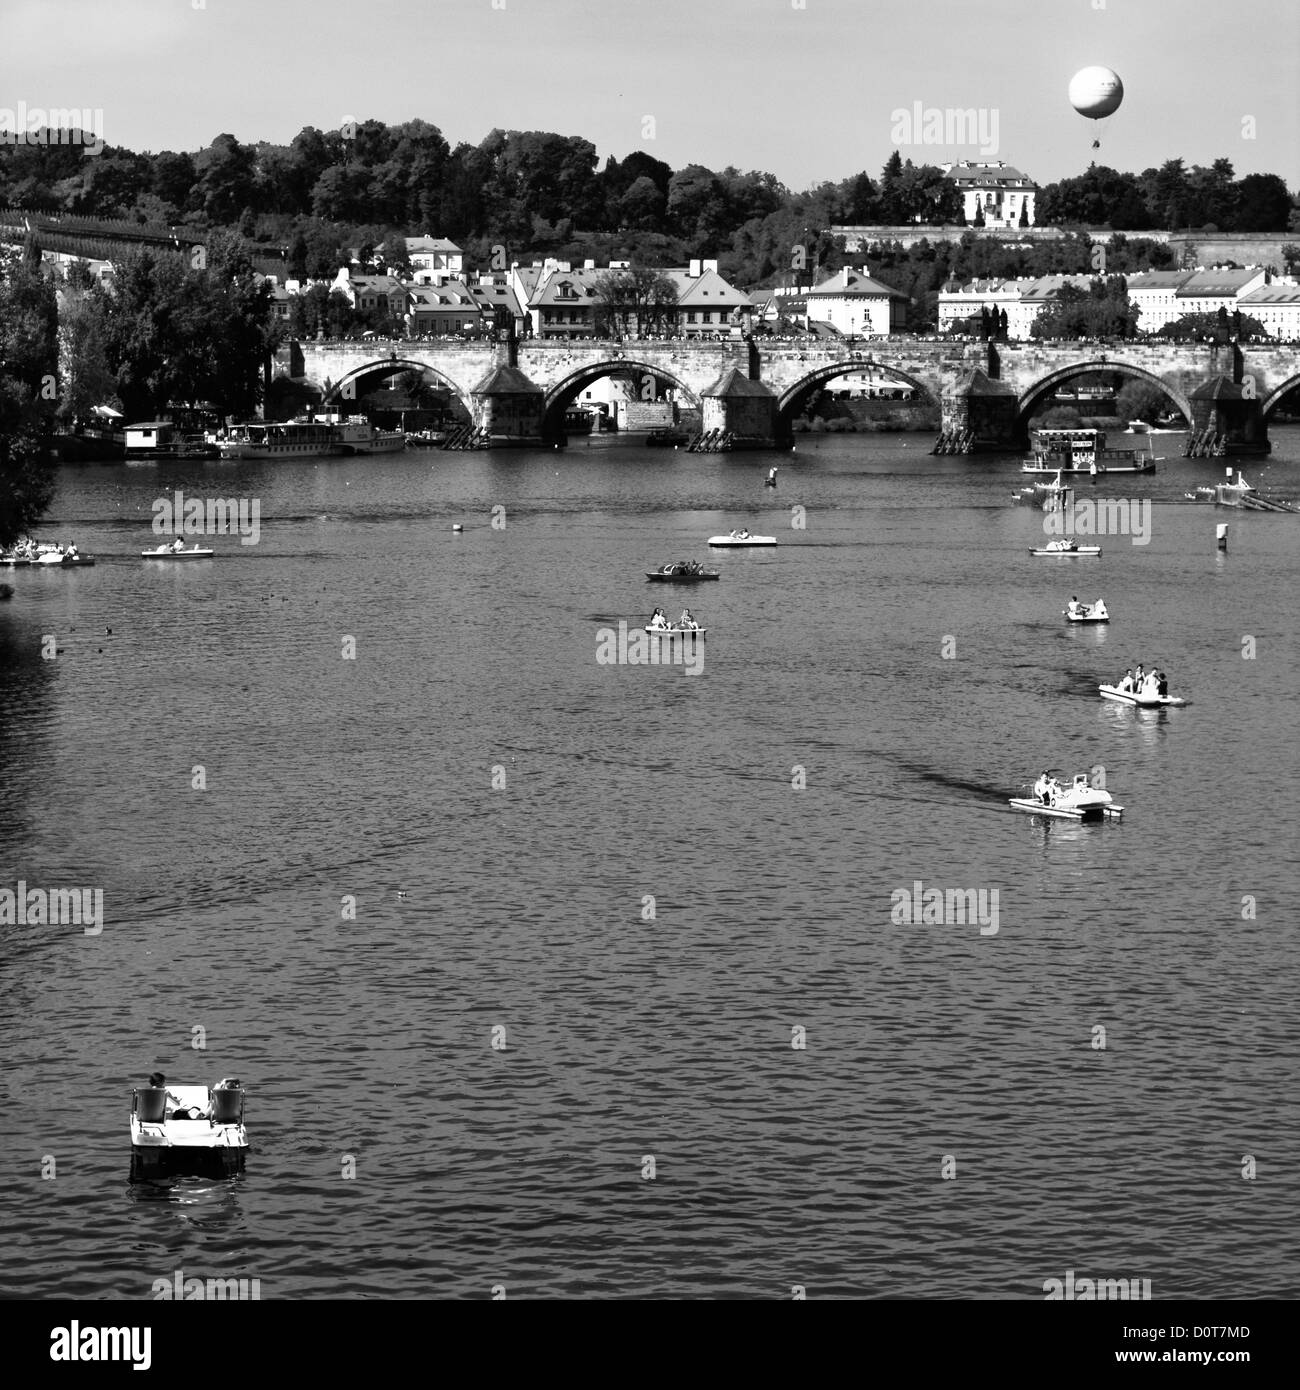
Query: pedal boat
x=163, y=1141
x=1078, y=801
x=673, y=631
x=165, y=552
x=1066, y=547
x=1142, y=701
x=742, y=538
x=1087, y=613
x=681, y=572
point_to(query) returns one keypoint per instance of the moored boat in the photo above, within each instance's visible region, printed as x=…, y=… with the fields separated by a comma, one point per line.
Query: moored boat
x=682, y=572
x=187, y=1129
x=741, y=538
x=357, y=435
x=257, y=439
x=1077, y=801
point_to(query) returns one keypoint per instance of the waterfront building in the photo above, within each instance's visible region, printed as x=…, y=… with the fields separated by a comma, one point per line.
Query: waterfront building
x=431, y=255
x=959, y=303
x=997, y=189
x=1154, y=293
x=707, y=304
x=1277, y=306
x=367, y=292
x=1220, y=287
x=857, y=306
x=447, y=307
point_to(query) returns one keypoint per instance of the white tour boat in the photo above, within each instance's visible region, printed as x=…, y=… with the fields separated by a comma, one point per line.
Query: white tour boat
x=357, y=435
x=742, y=538
x=187, y=1128
x=260, y=440
x=1076, y=801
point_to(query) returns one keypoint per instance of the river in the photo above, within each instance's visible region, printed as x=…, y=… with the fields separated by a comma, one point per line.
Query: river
x=621, y=1010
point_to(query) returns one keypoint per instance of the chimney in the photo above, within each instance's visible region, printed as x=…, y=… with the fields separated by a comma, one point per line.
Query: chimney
x=693, y=270
x=709, y=266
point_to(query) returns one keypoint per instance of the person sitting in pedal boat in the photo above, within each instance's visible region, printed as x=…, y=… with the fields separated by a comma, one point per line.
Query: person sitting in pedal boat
x=1074, y=606
x=1162, y=685
x=178, y=544
x=1126, y=684
x=686, y=620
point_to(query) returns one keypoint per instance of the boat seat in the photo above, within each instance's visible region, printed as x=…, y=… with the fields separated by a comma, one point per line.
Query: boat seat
x=151, y=1104
x=227, y=1105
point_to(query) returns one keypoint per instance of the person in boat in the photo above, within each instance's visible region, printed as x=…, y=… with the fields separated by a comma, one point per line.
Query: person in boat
x=1075, y=610
x=176, y=1108
x=1126, y=685
x=1139, y=678
x=686, y=620
x=1162, y=685
x=178, y=544
x=1045, y=788
x=658, y=619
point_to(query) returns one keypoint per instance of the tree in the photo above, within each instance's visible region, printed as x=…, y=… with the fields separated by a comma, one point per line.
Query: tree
x=642, y=206
x=639, y=299
x=1264, y=205
x=1141, y=400
x=28, y=382
x=225, y=178
x=85, y=377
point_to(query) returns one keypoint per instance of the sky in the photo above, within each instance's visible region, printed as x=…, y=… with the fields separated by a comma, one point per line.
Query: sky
x=807, y=90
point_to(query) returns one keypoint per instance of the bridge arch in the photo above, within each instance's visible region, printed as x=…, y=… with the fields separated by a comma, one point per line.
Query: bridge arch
x=1030, y=401
x=559, y=396
x=792, y=398
x=387, y=365
x=1274, y=397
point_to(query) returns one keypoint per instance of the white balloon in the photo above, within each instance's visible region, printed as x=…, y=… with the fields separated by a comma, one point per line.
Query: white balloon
x=1096, y=92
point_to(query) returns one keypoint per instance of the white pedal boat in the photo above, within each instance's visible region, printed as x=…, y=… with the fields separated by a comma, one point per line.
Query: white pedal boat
x=186, y=1129
x=165, y=552
x=1087, y=613
x=741, y=538
x=1078, y=801
x=1144, y=700
x=1066, y=548
x=675, y=631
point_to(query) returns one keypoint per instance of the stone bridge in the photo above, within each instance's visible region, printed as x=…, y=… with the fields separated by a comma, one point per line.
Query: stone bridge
x=991, y=389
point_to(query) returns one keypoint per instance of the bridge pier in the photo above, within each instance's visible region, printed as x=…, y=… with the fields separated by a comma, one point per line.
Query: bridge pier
x=507, y=408
x=1232, y=410
x=982, y=408
x=745, y=409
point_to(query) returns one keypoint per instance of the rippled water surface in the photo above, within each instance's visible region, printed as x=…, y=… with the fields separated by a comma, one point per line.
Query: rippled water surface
x=632, y=1035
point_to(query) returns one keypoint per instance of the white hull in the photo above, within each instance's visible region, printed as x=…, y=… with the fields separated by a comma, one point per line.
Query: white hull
x=1124, y=697
x=1028, y=803
x=167, y=553
x=1081, y=550
x=675, y=631
x=738, y=541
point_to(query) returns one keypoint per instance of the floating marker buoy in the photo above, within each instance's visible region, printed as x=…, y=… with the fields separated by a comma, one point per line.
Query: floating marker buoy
x=1222, y=535
x=457, y=526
